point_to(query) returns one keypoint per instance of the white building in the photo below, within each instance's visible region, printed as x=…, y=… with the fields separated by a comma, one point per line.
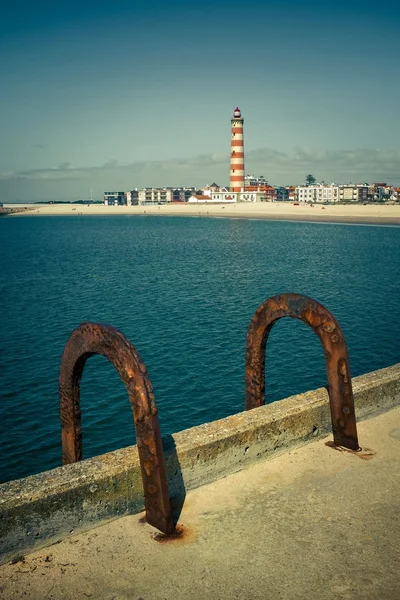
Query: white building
x=214, y=187
x=253, y=181
x=224, y=196
x=214, y=198
x=155, y=196
x=252, y=196
x=318, y=193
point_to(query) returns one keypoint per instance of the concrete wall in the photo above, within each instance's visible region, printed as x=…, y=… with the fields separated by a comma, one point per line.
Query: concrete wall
x=41, y=509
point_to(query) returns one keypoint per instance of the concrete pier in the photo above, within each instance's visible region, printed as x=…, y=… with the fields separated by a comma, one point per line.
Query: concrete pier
x=38, y=510
x=316, y=522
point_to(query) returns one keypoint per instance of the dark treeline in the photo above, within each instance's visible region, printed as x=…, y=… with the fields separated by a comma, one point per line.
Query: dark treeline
x=70, y=202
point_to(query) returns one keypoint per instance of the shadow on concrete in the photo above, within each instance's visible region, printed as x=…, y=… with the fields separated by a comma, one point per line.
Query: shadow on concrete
x=176, y=485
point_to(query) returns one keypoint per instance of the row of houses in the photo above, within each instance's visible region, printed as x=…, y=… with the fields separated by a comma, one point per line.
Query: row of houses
x=349, y=192
x=257, y=189
x=149, y=196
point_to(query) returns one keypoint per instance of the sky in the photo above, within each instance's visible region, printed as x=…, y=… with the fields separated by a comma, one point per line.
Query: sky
x=108, y=96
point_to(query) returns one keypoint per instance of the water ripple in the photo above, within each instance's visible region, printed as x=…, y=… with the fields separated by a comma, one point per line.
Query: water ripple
x=183, y=291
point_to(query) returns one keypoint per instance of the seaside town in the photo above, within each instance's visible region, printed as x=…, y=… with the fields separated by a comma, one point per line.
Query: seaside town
x=250, y=188
x=257, y=189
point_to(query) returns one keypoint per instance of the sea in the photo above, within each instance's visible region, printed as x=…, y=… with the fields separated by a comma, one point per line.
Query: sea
x=183, y=290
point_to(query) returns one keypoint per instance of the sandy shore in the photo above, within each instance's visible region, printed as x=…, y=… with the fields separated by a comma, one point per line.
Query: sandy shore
x=386, y=214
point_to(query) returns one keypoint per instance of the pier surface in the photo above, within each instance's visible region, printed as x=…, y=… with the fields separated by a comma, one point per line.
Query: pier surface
x=316, y=522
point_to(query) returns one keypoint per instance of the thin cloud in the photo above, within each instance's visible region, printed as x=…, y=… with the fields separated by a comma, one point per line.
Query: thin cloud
x=345, y=161
x=67, y=181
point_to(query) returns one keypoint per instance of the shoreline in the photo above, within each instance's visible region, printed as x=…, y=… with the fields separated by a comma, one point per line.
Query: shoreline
x=370, y=214
x=12, y=210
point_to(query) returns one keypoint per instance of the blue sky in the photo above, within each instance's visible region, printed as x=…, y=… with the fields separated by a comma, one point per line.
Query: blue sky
x=120, y=95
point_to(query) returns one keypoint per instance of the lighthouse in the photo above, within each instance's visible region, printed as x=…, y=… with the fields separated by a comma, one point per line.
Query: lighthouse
x=237, y=152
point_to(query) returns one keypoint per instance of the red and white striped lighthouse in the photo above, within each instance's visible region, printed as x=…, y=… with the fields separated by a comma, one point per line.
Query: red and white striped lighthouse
x=237, y=152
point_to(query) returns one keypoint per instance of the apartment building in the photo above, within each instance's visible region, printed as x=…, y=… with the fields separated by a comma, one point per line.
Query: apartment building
x=155, y=195
x=183, y=194
x=282, y=194
x=115, y=198
x=132, y=197
x=318, y=193
x=121, y=198
x=321, y=193
x=353, y=192
x=253, y=181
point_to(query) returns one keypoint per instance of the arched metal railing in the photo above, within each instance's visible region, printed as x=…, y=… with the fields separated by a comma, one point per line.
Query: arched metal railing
x=93, y=338
x=332, y=339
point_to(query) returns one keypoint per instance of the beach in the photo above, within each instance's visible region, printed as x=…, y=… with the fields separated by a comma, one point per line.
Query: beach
x=344, y=213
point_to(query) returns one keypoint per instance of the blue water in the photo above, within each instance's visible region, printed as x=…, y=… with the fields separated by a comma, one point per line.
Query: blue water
x=183, y=290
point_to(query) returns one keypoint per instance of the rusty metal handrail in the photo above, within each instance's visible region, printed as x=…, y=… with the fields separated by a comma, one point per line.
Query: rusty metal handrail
x=324, y=324
x=93, y=338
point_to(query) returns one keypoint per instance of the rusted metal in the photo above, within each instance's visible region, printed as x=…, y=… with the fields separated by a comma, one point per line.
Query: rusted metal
x=93, y=338
x=332, y=339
